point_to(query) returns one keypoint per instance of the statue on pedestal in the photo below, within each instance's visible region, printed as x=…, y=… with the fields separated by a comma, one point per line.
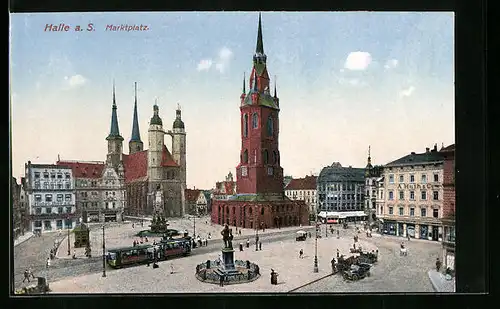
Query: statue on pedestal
x=227, y=237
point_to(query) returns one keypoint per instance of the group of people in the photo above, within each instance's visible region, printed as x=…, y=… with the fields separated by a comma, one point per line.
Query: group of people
x=140, y=241
x=28, y=274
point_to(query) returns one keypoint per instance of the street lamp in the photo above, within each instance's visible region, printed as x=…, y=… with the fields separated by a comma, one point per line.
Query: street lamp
x=315, y=269
x=69, y=242
x=103, y=252
x=194, y=226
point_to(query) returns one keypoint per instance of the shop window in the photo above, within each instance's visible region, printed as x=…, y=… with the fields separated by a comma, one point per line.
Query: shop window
x=47, y=226
x=59, y=224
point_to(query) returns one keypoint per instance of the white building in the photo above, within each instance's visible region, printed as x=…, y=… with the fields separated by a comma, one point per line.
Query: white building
x=412, y=196
x=303, y=189
x=51, y=197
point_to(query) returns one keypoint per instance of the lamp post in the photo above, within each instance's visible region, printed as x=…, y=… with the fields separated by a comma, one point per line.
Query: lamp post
x=194, y=226
x=315, y=269
x=103, y=252
x=69, y=242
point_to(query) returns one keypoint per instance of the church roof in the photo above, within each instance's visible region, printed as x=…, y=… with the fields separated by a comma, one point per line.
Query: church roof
x=191, y=195
x=264, y=100
x=84, y=169
x=136, y=164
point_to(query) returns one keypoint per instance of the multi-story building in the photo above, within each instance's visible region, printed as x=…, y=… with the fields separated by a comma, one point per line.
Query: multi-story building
x=303, y=189
x=15, y=191
x=341, y=193
x=51, y=197
x=260, y=199
x=100, y=194
x=372, y=175
x=224, y=189
x=448, y=219
x=24, y=207
x=196, y=202
x=413, y=196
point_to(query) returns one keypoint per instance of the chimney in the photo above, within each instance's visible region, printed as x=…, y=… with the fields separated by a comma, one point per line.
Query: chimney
x=427, y=150
x=435, y=148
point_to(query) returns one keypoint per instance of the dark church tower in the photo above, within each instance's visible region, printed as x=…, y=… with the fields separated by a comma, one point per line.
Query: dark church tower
x=259, y=170
x=115, y=140
x=135, y=144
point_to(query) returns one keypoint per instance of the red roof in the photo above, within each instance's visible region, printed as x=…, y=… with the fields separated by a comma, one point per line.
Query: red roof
x=191, y=195
x=225, y=187
x=135, y=165
x=84, y=169
x=307, y=183
x=166, y=159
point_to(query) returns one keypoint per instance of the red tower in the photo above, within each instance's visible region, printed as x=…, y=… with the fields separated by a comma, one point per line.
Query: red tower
x=260, y=201
x=259, y=170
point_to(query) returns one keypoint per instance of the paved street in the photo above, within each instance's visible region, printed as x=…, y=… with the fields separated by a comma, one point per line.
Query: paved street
x=392, y=273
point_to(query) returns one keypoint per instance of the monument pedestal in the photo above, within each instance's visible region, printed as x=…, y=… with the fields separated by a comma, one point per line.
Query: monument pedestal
x=226, y=266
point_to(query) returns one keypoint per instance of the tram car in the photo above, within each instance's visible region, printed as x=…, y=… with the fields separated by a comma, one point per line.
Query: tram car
x=140, y=254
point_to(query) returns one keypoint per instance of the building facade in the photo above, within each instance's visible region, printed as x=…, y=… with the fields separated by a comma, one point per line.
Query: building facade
x=341, y=190
x=196, y=202
x=372, y=176
x=260, y=200
x=303, y=189
x=413, y=196
x=15, y=191
x=99, y=191
x=51, y=197
x=224, y=189
x=448, y=219
x=24, y=207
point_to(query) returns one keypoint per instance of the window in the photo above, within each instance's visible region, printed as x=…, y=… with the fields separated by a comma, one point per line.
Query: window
x=67, y=176
x=59, y=197
x=68, y=223
x=59, y=176
x=37, y=185
x=38, y=198
x=114, y=193
x=47, y=226
x=67, y=197
x=245, y=125
x=245, y=156
x=435, y=195
x=37, y=174
x=45, y=175
x=53, y=176
x=391, y=178
x=59, y=224
x=269, y=126
x=412, y=212
x=401, y=211
x=412, y=178
x=255, y=121
x=244, y=171
x=423, y=212
x=270, y=171
x=48, y=197
x=391, y=195
x=412, y=195
x=60, y=210
x=266, y=156
x=38, y=224
x=68, y=209
x=68, y=185
x=401, y=195
x=435, y=213
x=38, y=211
x=436, y=177
x=424, y=195
x=275, y=157
x=423, y=179
x=401, y=178
x=391, y=210
x=114, y=204
x=59, y=186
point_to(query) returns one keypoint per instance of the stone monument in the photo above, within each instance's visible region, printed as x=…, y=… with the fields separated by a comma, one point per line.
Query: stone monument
x=227, y=259
x=159, y=223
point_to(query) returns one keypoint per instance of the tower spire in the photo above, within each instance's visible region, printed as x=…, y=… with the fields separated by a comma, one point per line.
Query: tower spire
x=114, y=132
x=259, y=49
x=244, y=90
x=369, y=157
x=275, y=92
x=136, y=135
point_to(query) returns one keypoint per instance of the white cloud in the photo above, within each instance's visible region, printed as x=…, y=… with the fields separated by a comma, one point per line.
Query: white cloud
x=406, y=92
x=75, y=80
x=358, y=61
x=204, y=65
x=391, y=64
x=225, y=55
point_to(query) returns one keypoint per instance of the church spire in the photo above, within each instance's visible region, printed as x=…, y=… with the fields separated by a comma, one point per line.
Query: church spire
x=136, y=135
x=114, y=132
x=259, y=49
x=244, y=90
x=275, y=92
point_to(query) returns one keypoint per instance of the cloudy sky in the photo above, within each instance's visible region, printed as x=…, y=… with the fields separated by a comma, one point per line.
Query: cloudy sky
x=345, y=81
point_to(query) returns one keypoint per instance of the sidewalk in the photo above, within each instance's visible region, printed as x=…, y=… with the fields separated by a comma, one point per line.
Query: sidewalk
x=439, y=282
x=23, y=238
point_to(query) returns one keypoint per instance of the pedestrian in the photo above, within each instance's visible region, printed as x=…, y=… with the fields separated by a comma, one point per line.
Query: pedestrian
x=221, y=280
x=134, y=243
x=47, y=265
x=241, y=246
x=239, y=232
x=301, y=253
x=146, y=239
x=338, y=232
x=408, y=236
x=74, y=254
x=338, y=253
x=171, y=268
x=133, y=225
x=248, y=243
x=309, y=234
x=26, y=276
x=260, y=245
x=438, y=265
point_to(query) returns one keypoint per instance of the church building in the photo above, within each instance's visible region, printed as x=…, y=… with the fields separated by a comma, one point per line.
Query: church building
x=260, y=199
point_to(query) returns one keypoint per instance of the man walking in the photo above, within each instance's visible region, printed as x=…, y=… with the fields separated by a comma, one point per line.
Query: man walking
x=260, y=245
x=301, y=254
x=26, y=276
x=438, y=264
